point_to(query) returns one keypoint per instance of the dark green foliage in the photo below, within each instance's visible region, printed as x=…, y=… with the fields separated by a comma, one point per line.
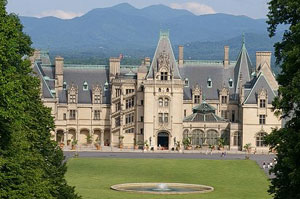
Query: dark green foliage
x=286, y=141
x=31, y=165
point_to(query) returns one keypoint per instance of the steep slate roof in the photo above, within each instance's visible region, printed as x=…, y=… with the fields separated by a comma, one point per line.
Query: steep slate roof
x=195, y=71
x=242, y=68
x=198, y=72
x=91, y=75
x=259, y=83
x=204, y=113
x=164, y=45
x=47, y=83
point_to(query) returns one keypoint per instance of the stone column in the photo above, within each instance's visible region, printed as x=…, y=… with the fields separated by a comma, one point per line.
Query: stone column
x=65, y=138
x=102, y=138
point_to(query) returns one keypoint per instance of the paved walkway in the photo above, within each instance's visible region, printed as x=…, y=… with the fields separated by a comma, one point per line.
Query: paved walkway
x=216, y=155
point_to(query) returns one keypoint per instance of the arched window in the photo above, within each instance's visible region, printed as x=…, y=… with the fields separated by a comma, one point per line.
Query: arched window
x=160, y=102
x=167, y=90
x=159, y=90
x=260, y=139
x=85, y=86
x=198, y=137
x=65, y=85
x=209, y=83
x=212, y=137
x=230, y=82
x=226, y=137
x=185, y=133
x=236, y=139
x=166, y=102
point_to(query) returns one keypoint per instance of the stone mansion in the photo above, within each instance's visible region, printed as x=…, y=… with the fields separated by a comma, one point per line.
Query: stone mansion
x=162, y=101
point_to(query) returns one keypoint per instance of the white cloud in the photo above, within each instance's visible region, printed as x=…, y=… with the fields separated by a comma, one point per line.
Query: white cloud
x=194, y=7
x=60, y=14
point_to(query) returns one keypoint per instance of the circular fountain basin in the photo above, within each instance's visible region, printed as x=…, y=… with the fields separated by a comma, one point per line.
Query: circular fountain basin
x=162, y=188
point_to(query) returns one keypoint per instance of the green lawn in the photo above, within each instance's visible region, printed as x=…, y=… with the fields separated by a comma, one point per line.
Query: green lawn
x=232, y=179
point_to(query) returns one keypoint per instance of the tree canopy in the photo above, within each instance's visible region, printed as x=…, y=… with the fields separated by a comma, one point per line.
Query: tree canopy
x=286, y=141
x=31, y=165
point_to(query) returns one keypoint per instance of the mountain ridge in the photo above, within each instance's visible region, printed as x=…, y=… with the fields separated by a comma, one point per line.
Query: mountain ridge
x=125, y=29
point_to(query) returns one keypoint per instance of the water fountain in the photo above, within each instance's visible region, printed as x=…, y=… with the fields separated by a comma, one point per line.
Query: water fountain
x=162, y=188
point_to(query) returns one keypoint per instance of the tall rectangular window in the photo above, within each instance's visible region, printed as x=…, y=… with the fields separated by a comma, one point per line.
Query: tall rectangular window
x=142, y=102
x=262, y=119
x=224, y=114
x=197, y=99
x=72, y=115
x=128, y=91
x=262, y=103
x=160, y=118
x=118, y=106
x=166, y=118
x=233, y=116
x=142, y=118
x=129, y=118
x=131, y=130
x=164, y=76
x=65, y=116
x=142, y=131
x=97, y=115
x=72, y=98
x=184, y=112
x=224, y=99
x=118, y=92
x=129, y=103
x=97, y=99
x=117, y=122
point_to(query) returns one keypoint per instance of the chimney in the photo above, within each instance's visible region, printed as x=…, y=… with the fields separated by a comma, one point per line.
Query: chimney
x=263, y=57
x=59, y=72
x=180, y=56
x=36, y=55
x=226, y=57
x=114, y=66
x=147, y=61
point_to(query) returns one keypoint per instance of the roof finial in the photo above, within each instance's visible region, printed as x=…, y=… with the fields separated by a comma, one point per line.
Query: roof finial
x=164, y=33
x=244, y=40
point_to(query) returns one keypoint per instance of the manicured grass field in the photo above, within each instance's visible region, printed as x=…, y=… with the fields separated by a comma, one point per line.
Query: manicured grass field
x=232, y=179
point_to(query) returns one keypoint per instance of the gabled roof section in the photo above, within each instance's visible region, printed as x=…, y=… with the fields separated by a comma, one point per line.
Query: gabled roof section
x=164, y=46
x=242, y=68
x=260, y=83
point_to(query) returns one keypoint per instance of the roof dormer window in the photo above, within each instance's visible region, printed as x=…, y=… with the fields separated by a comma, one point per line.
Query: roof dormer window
x=106, y=86
x=230, y=82
x=186, y=82
x=209, y=83
x=65, y=85
x=85, y=86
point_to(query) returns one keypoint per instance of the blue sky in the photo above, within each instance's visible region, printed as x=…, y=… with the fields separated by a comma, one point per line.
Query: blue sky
x=70, y=8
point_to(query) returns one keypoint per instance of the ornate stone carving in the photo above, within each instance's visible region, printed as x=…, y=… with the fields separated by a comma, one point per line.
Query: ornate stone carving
x=164, y=60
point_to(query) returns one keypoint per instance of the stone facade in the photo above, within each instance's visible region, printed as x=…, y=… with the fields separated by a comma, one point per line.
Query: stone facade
x=163, y=101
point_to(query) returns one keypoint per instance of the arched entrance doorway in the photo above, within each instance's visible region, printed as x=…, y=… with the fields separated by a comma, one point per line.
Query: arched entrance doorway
x=60, y=136
x=163, y=140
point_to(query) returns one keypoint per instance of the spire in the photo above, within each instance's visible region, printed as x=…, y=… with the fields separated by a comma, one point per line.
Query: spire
x=204, y=98
x=242, y=68
x=164, y=57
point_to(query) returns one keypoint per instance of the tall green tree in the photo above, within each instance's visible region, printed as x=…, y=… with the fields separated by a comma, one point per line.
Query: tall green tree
x=31, y=165
x=286, y=141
